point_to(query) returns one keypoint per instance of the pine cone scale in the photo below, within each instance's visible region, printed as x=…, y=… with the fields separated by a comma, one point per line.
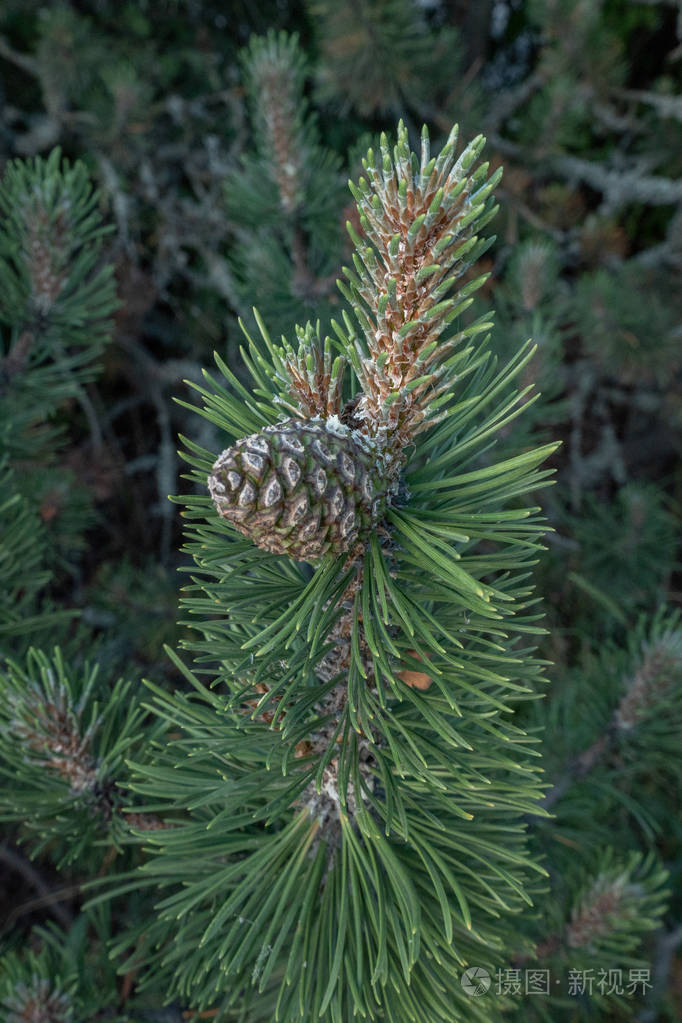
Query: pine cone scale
x=291, y=473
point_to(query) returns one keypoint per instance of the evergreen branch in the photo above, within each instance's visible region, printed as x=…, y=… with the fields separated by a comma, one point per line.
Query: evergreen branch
x=53, y=236
x=313, y=377
x=298, y=217
x=381, y=57
x=55, y=297
x=22, y=555
x=418, y=221
x=65, y=976
x=349, y=820
x=64, y=748
x=274, y=73
x=332, y=805
x=612, y=901
x=649, y=691
x=616, y=906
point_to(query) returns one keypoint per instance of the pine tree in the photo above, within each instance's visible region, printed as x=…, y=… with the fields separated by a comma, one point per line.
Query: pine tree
x=56, y=299
x=65, y=727
x=365, y=868
x=337, y=801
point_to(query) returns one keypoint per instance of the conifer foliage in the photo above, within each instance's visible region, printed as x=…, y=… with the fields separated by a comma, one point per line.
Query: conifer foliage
x=52, y=285
x=287, y=227
x=361, y=836
x=56, y=298
x=65, y=726
x=341, y=790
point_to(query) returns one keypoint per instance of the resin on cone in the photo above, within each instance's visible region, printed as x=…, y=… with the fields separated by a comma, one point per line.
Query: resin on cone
x=300, y=487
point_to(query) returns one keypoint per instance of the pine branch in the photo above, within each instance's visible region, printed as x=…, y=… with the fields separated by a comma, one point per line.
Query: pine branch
x=616, y=906
x=65, y=976
x=381, y=57
x=361, y=830
x=274, y=70
x=55, y=297
x=649, y=691
x=419, y=222
x=63, y=744
x=22, y=557
x=50, y=272
x=290, y=187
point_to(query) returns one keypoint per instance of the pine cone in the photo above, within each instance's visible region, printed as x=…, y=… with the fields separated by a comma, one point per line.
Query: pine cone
x=301, y=487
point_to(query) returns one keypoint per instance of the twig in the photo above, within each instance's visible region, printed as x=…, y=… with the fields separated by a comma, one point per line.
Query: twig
x=621, y=186
x=305, y=284
x=577, y=769
x=166, y=470
x=669, y=252
x=20, y=865
x=86, y=404
x=15, y=360
x=120, y=201
x=665, y=106
x=647, y=685
x=667, y=944
x=512, y=100
x=27, y=64
x=529, y=215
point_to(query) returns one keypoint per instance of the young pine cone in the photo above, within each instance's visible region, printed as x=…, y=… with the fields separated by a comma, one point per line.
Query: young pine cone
x=301, y=488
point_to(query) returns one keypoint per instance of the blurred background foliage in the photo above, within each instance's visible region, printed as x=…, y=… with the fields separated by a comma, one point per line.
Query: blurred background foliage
x=196, y=137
